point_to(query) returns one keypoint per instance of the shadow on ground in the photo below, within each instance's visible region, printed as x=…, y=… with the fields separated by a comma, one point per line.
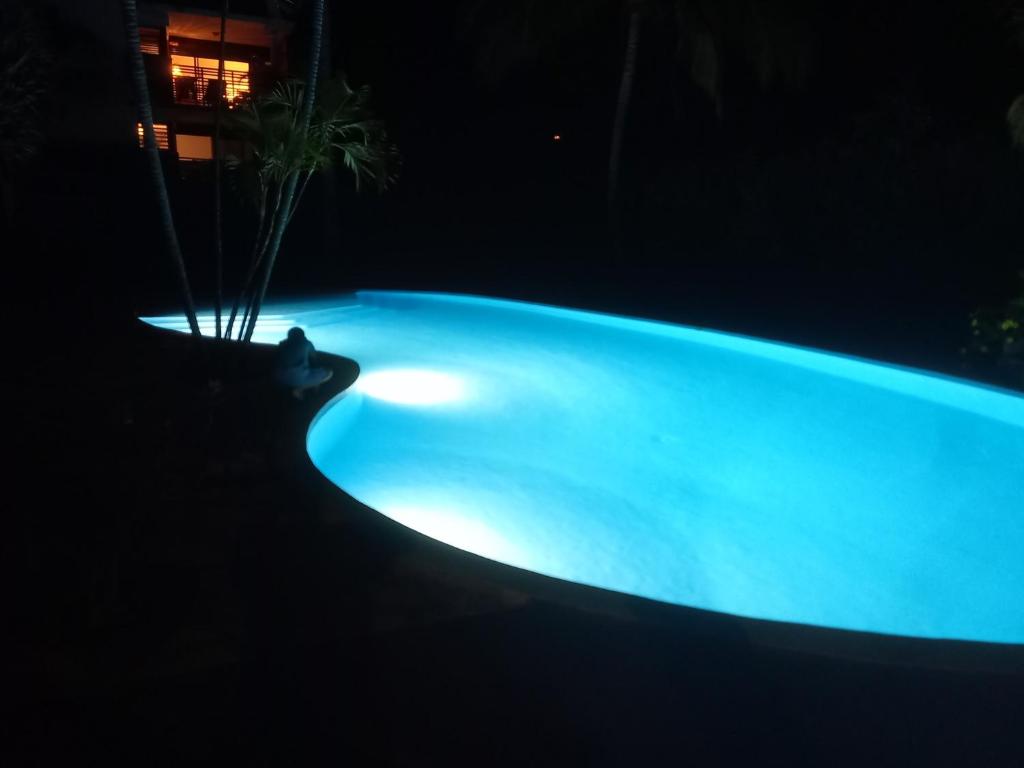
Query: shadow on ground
x=181, y=597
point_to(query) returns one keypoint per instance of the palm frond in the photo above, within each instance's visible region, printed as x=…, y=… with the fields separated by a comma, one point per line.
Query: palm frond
x=342, y=128
x=25, y=69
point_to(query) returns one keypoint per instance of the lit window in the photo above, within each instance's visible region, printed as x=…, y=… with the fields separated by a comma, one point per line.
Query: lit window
x=160, y=130
x=196, y=81
x=149, y=40
x=194, y=147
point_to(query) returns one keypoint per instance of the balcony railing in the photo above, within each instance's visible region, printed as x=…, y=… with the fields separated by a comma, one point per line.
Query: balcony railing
x=198, y=84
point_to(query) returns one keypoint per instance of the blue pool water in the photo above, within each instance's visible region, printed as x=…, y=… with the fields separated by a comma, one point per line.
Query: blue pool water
x=688, y=466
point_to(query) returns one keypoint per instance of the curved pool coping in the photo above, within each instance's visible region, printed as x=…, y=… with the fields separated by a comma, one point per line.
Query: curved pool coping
x=457, y=566
x=462, y=566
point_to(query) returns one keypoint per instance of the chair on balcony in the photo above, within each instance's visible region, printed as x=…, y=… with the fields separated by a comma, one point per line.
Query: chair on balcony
x=214, y=91
x=185, y=89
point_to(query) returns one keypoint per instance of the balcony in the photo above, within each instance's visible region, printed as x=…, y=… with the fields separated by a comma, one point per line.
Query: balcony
x=195, y=81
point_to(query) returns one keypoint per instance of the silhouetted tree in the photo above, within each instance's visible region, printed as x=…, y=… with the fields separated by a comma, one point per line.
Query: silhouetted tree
x=279, y=223
x=1015, y=115
x=156, y=174
x=25, y=71
x=635, y=8
x=511, y=34
x=218, y=186
x=341, y=127
x=1015, y=118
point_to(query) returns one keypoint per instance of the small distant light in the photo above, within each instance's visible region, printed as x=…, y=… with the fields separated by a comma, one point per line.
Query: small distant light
x=557, y=137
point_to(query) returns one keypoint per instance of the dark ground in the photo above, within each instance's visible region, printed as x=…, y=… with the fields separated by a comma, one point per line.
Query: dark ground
x=184, y=594
x=177, y=594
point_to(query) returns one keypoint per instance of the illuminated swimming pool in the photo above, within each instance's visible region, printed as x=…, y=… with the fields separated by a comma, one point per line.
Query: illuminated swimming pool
x=692, y=467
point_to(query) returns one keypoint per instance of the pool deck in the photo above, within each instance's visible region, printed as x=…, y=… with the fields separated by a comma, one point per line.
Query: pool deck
x=317, y=631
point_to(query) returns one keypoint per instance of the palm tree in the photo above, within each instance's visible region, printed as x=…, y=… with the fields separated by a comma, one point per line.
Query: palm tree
x=518, y=33
x=1015, y=118
x=306, y=114
x=1015, y=115
x=218, y=215
x=341, y=127
x=25, y=75
x=621, y=107
x=156, y=174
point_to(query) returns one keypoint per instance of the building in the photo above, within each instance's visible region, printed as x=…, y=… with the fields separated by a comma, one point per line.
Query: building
x=180, y=44
x=89, y=168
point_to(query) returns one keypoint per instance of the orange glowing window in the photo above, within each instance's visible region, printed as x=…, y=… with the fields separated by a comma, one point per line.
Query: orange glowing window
x=160, y=130
x=194, y=147
x=196, y=82
x=149, y=40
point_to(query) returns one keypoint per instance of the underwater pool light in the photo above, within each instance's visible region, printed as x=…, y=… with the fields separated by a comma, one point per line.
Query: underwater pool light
x=461, y=531
x=412, y=386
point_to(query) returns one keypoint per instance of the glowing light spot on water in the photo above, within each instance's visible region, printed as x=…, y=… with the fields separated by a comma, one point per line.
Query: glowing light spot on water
x=452, y=528
x=411, y=386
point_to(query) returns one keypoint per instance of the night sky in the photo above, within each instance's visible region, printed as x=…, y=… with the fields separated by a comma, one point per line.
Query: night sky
x=863, y=197
x=877, y=191
x=866, y=198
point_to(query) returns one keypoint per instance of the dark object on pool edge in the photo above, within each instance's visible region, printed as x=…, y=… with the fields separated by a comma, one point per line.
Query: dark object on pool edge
x=292, y=366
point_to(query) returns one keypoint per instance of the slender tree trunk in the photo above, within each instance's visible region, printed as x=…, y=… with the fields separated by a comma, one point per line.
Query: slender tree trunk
x=245, y=316
x=298, y=196
x=257, y=247
x=156, y=173
x=622, y=107
x=273, y=245
x=285, y=211
x=331, y=231
x=256, y=260
x=218, y=190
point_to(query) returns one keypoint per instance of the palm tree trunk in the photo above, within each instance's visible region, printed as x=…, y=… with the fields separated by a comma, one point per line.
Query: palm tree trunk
x=280, y=221
x=218, y=224
x=156, y=173
x=286, y=209
x=257, y=249
x=622, y=106
x=330, y=232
